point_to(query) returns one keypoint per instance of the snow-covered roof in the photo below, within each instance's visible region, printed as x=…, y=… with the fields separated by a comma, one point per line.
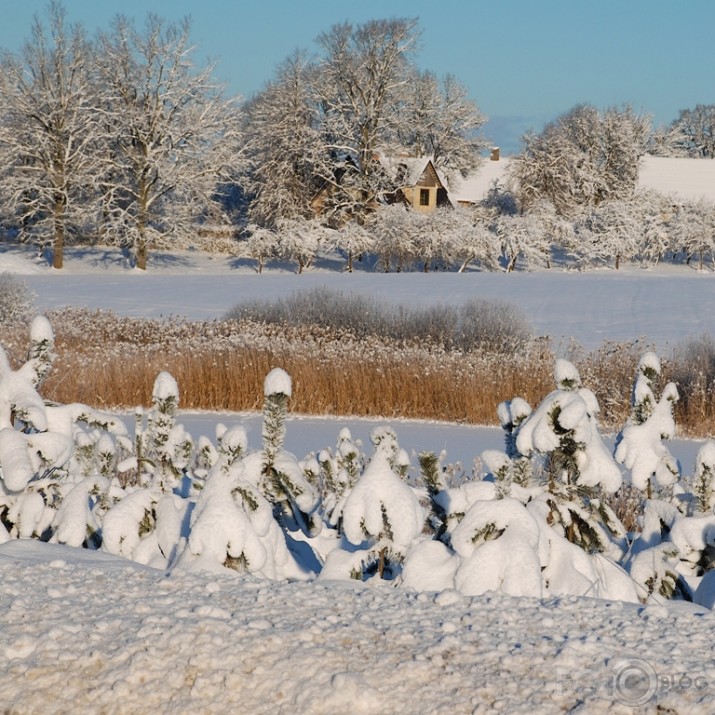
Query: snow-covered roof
x=475, y=187
x=687, y=178
x=408, y=169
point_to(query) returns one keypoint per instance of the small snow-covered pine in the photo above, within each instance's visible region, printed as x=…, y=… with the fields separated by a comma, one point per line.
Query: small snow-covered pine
x=639, y=445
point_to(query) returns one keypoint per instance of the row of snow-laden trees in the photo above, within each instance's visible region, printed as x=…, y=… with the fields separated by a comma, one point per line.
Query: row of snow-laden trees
x=540, y=521
x=496, y=234
x=120, y=138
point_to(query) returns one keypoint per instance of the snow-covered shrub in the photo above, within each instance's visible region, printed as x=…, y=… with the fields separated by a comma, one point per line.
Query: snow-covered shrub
x=639, y=445
x=498, y=542
x=381, y=518
x=232, y=526
x=563, y=428
x=480, y=324
x=338, y=475
x=283, y=482
x=16, y=300
x=702, y=484
x=145, y=525
x=433, y=479
x=163, y=448
x=28, y=448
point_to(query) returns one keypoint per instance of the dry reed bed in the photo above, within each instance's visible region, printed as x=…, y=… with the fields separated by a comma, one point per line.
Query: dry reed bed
x=111, y=362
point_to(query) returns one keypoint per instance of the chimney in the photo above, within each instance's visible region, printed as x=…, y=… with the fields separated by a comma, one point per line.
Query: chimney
x=495, y=154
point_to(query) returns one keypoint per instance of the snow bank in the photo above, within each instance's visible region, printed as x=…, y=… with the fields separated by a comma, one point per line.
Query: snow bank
x=85, y=632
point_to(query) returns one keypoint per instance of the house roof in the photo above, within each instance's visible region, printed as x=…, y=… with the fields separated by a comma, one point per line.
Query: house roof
x=407, y=170
x=476, y=186
x=686, y=178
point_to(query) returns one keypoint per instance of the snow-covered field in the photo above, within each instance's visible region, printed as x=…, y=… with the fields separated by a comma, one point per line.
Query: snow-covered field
x=87, y=632
x=662, y=305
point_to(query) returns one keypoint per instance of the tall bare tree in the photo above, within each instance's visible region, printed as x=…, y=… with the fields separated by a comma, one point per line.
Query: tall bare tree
x=49, y=130
x=284, y=147
x=362, y=77
x=438, y=119
x=173, y=134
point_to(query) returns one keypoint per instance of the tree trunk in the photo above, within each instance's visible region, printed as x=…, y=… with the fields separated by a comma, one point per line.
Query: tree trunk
x=58, y=243
x=141, y=255
x=142, y=221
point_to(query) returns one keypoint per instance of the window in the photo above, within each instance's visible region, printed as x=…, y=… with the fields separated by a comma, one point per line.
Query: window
x=424, y=197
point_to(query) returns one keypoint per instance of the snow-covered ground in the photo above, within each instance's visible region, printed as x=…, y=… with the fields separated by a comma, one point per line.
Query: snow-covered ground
x=91, y=633
x=663, y=305
x=87, y=632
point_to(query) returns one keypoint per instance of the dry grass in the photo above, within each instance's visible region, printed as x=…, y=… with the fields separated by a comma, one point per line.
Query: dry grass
x=111, y=362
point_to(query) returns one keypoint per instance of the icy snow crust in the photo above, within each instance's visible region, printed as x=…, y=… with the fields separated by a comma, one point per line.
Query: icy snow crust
x=85, y=632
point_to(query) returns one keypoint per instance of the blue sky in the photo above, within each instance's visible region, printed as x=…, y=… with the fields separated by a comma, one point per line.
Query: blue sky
x=523, y=61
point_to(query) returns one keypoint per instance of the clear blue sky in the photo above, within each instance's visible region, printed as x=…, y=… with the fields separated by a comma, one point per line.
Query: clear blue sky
x=523, y=61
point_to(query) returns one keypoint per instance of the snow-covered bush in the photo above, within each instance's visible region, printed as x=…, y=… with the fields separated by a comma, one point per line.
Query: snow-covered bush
x=380, y=519
x=163, y=448
x=16, y=300
x=639, y=445
x=232, y=526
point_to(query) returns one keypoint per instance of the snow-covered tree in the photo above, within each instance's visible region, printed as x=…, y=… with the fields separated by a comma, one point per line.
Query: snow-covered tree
x=639, y=445
x=392, y=227
x=173, y=136
x=518, y=467
x=440, y=121
x=300, y=239
x=472, y=239
x=581, y=159
x=521, y=236
x=28, y=448
x=693, y=132
x=655, y=212
x=693, y=226
x=578, y=467
x=163, y=447
x=285, y=149
x=354, y=240
x=261, y=244
x=49, y=133
x=338, y=473
x=499, y=545
x=363, y=70
x=703, y=481
x=282, y=480
x=232, y=526
x=610, y=231
x=381, y=514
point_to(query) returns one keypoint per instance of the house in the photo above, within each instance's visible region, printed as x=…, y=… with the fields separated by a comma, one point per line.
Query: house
x=419, y=182
x=422, y=187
